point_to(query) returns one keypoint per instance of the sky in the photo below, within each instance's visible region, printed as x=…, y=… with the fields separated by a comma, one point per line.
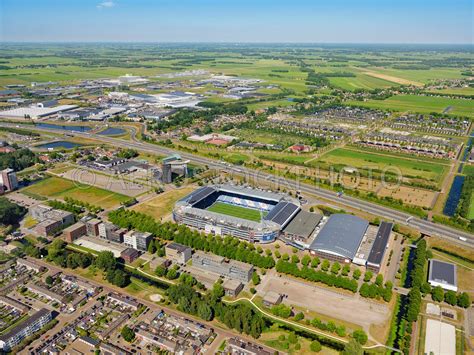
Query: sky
x=313, y=21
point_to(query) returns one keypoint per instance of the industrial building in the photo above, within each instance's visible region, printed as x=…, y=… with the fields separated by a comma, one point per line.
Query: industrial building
x=36, y=111
x=50, y=219
x=276, y=211
x=302, y=226
x=443, y=274
x=228, y=268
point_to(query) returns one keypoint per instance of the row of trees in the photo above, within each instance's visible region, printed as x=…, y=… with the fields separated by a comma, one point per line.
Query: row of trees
x=228, y=247
x=310, y=274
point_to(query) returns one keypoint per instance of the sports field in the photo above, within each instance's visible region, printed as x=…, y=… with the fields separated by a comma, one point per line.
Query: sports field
x=56, y=187
x=236, y=211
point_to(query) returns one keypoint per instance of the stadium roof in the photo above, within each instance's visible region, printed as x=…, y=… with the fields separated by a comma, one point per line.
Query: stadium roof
x=341, y=235
x=303, y=224
x=247, y=191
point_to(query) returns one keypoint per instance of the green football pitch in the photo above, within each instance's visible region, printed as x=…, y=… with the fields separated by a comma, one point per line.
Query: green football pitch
x=236, y=211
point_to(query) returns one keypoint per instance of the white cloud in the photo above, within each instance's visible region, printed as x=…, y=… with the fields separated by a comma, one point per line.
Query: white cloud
x=106, y=4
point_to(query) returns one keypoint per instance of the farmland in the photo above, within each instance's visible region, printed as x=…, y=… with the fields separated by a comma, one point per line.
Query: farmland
x=58, y=188
x=366, y=160
x=422, y=104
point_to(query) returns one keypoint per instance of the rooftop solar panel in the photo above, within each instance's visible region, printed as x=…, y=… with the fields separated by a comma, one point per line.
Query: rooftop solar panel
x=275, y=210
x=285, y=213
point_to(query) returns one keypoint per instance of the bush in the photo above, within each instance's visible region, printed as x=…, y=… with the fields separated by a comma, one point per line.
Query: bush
x=360, y=336
x=315, y=346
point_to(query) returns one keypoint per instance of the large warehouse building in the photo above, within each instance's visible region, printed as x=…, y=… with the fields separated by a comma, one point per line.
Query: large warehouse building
x=250, y=214
x=347, y=238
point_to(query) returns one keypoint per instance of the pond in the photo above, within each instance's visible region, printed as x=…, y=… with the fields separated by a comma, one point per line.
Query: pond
x=59, y=144
x=112, y=131
x=64, y=128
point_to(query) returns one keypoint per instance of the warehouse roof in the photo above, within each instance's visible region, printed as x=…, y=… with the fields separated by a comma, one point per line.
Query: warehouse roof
x=341, y=235
x=380, y=244
x=303, y=224
x=442, y=272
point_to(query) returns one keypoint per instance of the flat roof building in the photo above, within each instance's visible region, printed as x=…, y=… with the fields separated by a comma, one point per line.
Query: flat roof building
x=340, y=238
x=443, y=274
x=302, y=226
x=130, y=255
x=137, y=240
x=25, y=329
x=228, y=268
x=232, y=287
x=74, y=232
x=377, y=253
x=178, y=253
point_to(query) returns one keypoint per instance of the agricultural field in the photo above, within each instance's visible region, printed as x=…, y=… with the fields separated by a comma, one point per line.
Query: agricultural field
x=421, y=104
x=236, y=211
x=455, y=91
x=362, y=81
x=368, y=160
x=56, y=187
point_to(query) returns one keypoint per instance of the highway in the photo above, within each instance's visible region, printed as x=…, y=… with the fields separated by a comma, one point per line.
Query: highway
x=402, y=218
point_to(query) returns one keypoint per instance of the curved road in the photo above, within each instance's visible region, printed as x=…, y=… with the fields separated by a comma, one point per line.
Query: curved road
x=424, y=226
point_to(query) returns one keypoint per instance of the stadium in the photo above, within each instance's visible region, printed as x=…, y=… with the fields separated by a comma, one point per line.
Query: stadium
x=250, y=214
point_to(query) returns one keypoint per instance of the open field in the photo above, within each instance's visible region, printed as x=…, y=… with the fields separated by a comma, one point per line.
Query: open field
x=420, y=75
x=362, y=81
x=422, y=104
x=161, y=206
x=236, y=211
x=330, y=302
x=455, y=91
x=56, y=187
x=120, y=186
x=361, y=159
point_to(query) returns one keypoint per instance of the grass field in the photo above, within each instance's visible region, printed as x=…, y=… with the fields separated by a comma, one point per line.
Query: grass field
x=422, y=104
x=360, y=159
x=236, y=211
x=161, y=206
x=55, y=187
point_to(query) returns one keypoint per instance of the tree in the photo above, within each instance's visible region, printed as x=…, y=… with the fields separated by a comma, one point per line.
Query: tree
x=49, y=280
x=315, y=262
x=10, y=213
x=325, y=265
x=414, y=304
x=105, y=260
x=204, y=311
x=255, y=278
x=299, y=316
x=356, y=274
x=353, y=348
x=127, y=334
x=437, y=294
x=379, y=280
x=315, y=346
x=160, y=271
x=151, y=248
x=172, y=274
x=305, y=260
x=450, y=297
x=121, y=278
x=368, y=276
x=335, y=268
x=425, y=288
x=292, y=338
x=464, y=300
x=360, y=336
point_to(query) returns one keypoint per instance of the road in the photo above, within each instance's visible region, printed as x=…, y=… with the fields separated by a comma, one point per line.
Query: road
x=402, y=218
